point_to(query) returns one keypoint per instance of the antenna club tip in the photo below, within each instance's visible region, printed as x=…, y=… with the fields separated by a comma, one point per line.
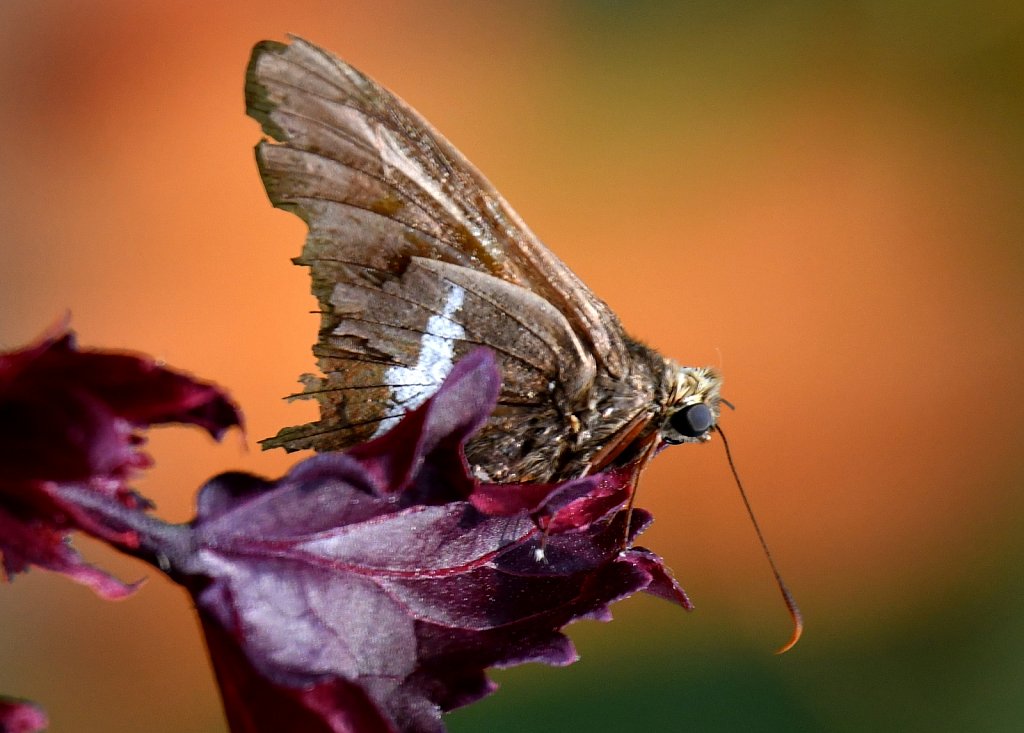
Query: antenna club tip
x=798, y=631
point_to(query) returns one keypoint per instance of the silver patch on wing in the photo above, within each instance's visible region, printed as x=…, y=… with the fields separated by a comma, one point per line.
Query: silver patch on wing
x=412, y=385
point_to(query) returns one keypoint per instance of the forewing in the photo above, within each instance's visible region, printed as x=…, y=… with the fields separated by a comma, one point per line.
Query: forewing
x=378, y=185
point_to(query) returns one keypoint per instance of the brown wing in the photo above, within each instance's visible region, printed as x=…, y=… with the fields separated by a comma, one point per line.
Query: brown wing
x=394, y=342
x=377, y=185
x=416, y=259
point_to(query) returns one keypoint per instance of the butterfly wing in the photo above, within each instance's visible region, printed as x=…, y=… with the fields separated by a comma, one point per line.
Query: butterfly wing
x=415, y=259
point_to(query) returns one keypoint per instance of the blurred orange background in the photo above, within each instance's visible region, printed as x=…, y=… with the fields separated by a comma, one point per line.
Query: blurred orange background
x=825, y=199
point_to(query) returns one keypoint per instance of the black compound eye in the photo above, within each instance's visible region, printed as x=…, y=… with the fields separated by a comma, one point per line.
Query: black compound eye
x=692, y=421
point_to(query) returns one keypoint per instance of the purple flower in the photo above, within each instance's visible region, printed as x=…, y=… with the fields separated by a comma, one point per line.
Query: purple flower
x=376, y=585
x=17, y=716
x=363, y=591
x=71, y=418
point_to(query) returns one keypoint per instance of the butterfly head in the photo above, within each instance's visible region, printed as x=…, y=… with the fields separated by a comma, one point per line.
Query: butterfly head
x=693, y=405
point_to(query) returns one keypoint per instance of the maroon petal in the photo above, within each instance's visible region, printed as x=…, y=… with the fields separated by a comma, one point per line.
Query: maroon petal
x=133, y=387
x=662, y=583
x=72, y=418
x=365, y=586
x=557, y=508
x=256, y=703
x=410, y=604
x=363, y=591
x=508, y=500
x=422, y=455
x=70, y=415
x=18, y=716
x=37, y=543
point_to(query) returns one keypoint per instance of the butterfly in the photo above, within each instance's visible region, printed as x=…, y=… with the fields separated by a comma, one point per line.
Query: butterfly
x=416, y=260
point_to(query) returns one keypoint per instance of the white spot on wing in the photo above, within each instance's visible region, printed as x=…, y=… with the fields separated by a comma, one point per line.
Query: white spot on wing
x=411, y=386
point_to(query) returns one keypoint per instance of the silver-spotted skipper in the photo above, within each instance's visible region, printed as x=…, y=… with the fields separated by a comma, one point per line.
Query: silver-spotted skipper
x=416, y=260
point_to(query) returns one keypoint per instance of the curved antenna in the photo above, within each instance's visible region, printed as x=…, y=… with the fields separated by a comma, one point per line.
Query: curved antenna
x=794, y=610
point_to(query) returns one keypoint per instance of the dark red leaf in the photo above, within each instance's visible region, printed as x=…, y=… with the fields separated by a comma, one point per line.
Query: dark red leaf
x=558, y=508
x=254, y=702
x=366, y=591
x=368, y=583
x=422, y=457
x=38, y=543
x=18, y=716
x=71, y=418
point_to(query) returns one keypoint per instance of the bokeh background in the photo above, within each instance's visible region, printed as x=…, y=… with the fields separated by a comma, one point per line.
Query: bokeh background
x=824, y=198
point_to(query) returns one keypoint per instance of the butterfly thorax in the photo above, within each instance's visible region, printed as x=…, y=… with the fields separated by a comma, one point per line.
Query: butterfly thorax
x=607, y=425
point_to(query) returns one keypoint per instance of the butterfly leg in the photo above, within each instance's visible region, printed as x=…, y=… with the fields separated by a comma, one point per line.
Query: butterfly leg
x=648, y=453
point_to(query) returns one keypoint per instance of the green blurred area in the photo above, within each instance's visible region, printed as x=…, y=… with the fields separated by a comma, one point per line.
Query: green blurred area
x=691, y=61
x=951, y=664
